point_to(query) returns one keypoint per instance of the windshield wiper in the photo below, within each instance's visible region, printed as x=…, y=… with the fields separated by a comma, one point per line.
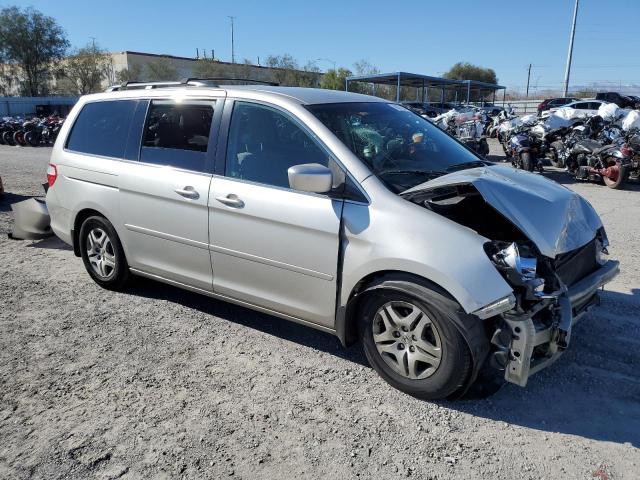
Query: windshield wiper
x=424, y=173
x=466, y=165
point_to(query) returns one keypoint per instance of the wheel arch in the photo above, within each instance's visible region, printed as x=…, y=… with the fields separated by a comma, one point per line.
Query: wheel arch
x=79, y=218
x=470, y=326
x=347, y=320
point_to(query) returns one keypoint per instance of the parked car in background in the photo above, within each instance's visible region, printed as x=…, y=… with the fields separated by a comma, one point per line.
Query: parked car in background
x=343, y=212
x=554, y=103
x=426, y=108
x=623, y=101
x=490, y=108
x=588, y=107
x=636, y=101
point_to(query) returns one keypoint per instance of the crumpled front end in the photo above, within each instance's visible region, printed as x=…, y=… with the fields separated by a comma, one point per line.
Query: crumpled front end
x=548, y=244
x=550, y=298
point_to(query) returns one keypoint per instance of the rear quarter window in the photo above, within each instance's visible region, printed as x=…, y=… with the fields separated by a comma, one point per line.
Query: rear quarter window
x=102, y=128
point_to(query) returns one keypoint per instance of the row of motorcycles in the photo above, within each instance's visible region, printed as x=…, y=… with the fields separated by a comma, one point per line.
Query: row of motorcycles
x=470, y=126
x=35, y=131
x=603, y=148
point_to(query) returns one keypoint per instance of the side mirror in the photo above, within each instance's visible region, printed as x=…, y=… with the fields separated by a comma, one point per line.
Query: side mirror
x=310, y=177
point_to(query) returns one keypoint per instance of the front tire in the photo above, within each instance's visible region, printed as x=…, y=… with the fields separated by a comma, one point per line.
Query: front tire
x=32, y=139
x=18, y=138
x=483, y=147
x=102, y=253
x=554, y=157
x=413, y=344
x=8, y=138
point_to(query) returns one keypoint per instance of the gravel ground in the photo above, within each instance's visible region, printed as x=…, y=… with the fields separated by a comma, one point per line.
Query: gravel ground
x=162, y=383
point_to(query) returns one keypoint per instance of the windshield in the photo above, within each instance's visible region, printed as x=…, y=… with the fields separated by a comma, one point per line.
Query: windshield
x=401, y=148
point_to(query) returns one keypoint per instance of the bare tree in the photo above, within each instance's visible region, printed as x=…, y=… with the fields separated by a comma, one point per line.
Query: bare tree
x=161, y=70
x=86, y=69
x=205, y=68
x=133, y=74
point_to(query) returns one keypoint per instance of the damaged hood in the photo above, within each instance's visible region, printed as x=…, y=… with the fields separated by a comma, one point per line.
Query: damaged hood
x=553, y=217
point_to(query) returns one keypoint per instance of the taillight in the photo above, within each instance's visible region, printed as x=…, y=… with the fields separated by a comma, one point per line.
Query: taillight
x=52, y=174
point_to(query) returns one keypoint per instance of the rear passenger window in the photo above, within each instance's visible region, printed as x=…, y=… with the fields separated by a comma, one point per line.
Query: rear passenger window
x=102, y=128
x=177, y=134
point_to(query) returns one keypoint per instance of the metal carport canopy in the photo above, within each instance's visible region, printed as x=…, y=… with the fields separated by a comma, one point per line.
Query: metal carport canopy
x=405, y=79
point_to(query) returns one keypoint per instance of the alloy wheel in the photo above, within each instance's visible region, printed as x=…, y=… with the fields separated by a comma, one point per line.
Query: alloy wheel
x=407, y=340
x=101, y=253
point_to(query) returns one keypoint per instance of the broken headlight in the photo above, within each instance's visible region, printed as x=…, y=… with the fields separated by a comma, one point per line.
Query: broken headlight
x=518, y=266
x=510, y=258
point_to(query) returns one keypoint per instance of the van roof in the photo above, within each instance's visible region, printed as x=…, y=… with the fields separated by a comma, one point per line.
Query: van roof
x=305, y=96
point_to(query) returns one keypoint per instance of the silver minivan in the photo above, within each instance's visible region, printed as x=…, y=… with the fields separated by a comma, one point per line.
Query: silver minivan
x=344, y=212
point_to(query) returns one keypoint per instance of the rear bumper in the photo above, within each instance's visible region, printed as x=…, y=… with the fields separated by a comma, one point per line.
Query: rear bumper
x=31, y=220
x=534, y=346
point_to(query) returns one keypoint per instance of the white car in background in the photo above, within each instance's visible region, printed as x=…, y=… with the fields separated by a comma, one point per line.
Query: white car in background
x=585, y=107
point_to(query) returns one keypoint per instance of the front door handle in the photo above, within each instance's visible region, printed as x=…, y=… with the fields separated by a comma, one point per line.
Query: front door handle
x=231, y=200
x=187, y=192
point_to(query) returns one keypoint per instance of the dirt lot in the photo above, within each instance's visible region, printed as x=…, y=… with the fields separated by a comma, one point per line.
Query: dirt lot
x=161, y=383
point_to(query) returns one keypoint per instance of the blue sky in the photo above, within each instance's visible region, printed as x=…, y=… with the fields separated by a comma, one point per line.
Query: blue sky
x=419, y=36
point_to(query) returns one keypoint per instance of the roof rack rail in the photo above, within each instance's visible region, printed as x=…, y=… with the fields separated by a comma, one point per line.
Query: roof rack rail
x=189, y=82
x=207, y=81
x=141, y=86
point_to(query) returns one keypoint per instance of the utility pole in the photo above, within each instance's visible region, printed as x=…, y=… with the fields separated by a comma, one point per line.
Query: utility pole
x=570, y=54
x=233, y=53
x=527, y=94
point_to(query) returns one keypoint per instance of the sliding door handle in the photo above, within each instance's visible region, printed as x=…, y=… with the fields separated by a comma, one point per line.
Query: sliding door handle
x=187, y=192
x=231, y=200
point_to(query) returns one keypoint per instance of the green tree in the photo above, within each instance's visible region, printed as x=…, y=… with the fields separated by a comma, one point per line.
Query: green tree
x=32, y=42
x=334, y=79
x=467, y=71
x=161, y=70
x=85, y=70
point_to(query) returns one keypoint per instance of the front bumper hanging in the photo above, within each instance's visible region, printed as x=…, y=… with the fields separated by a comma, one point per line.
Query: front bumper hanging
x=527, y=334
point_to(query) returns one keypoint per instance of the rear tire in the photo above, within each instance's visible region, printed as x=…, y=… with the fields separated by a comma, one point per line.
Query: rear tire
x=620, y=182
x=527, y=161
x=102, y=254
x=426, y=357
